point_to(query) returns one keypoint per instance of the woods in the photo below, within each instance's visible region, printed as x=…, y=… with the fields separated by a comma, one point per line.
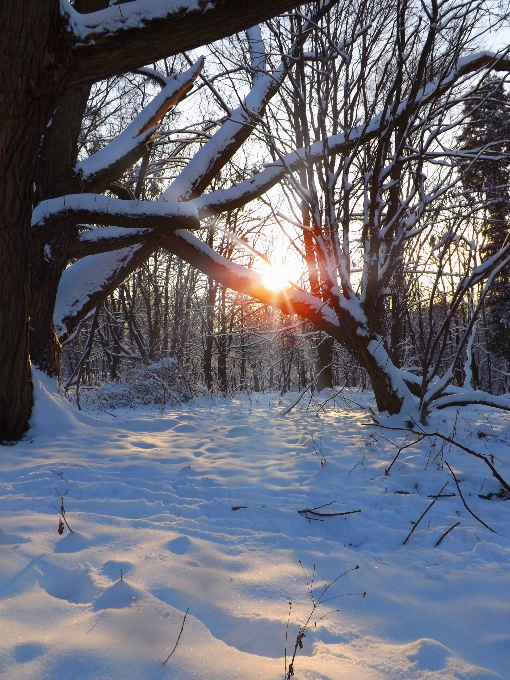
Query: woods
x=354, y=116
x=50, y=58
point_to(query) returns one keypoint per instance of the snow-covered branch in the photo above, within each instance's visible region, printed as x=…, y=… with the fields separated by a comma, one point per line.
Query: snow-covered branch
x=126, y=36
x=254, y=187
x=102, y=168
x=87, y=282
x=68, y=211
x=213, y=156
x=290, y=300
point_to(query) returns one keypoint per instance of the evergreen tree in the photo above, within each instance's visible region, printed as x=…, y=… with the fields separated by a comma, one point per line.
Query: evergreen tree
x=487, y=131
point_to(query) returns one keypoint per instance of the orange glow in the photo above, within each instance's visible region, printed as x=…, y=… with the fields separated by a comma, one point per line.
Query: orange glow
x=275, y=278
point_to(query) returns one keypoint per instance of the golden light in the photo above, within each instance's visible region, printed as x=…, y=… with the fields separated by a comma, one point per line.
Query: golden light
x=275, y=278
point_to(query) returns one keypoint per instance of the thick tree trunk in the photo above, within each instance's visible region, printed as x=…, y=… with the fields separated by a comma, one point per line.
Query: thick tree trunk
x=33, y=56
x=54, y=176
x=382, y=373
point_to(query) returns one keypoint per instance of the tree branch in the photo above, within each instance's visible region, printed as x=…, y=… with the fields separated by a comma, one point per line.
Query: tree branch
x=215, y=154
x=95, y=278
x=126, y=36
x=104, y=167
x=68, y=211
x=254, y=187
x=290, y=300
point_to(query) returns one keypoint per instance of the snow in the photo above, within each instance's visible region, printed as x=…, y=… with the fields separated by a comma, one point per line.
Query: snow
x=141, y=130
x=153, y=494
x=84, y=278
x=86, y=27
x=100, y=206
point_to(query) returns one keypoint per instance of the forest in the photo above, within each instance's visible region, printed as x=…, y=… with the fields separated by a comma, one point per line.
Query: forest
x=255, y=339
x=356, y=162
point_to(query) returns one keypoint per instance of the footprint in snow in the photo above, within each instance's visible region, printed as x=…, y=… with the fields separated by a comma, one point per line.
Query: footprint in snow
x=143, y=445
x=11, y=539
x=28, y=651
x=185, y=427
x=428, y=655
x=77, y=585
x=112, y=568
x=72, y=543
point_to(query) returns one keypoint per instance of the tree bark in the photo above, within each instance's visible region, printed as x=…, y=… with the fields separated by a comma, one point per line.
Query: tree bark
x=324, y=363
x=33, y=58
x=122, y=47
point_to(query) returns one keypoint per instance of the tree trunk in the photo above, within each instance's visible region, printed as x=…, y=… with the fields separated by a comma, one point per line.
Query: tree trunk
x=324, y=363
x=54, y=177
x=382, y=375
x=209, y=334
x=32, y=69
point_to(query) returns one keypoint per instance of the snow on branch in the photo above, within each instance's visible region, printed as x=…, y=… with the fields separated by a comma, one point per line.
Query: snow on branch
x=209, y=160
x=213, y=156
x=254, y=187
x=87, y=282
x=129, y=35
x=102, y=168
x=107, y=239
x=243, y=280
x=473, y=397
x=97, y=209
x=126, y=16
x=249, y=189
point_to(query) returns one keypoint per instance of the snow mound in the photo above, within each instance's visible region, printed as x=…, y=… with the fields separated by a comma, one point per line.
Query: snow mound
x=428, y=655
x=118, y=596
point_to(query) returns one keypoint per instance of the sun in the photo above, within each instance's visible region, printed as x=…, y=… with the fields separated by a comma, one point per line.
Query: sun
x=275, y=278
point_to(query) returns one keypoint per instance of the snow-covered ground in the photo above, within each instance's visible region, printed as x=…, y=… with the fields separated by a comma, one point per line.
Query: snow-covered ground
x=156, y=495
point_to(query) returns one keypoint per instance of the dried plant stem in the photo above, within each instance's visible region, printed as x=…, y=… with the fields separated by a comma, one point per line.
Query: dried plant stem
x=422, y=516
x=178, y=638
x=316, y=603
x=446, y=533
x=287, y=637
x=466, y=505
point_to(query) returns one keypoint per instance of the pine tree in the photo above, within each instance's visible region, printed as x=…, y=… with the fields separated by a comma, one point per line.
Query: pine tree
x=487, y=131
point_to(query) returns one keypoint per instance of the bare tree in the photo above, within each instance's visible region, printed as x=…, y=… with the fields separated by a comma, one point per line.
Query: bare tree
x=403, y=71
x=52, y=52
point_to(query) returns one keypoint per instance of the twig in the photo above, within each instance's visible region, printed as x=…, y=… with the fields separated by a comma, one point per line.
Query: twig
x=179, y=637
x=466, y=505
x=311, y=511
x=308, y=511
x=422, y=516
x=446, y=533
x=287, y=636
x=452, y=441
x=62, y=511
x=302, y=393
x=401, y=448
